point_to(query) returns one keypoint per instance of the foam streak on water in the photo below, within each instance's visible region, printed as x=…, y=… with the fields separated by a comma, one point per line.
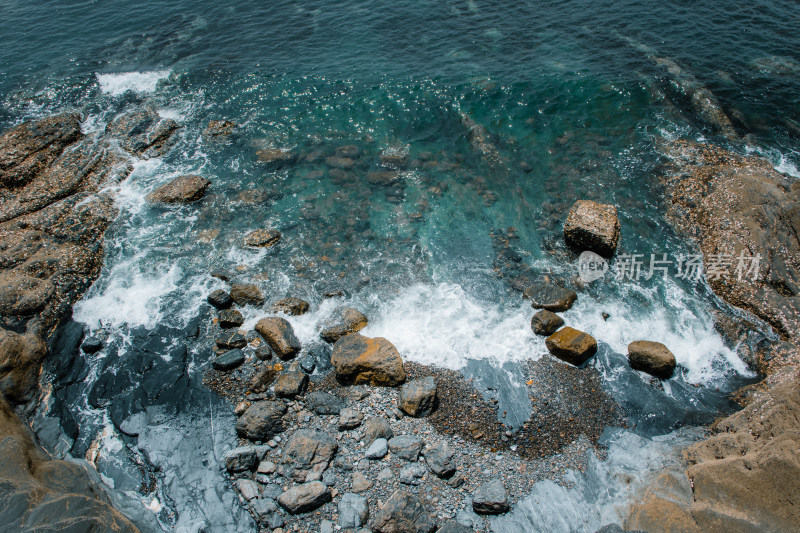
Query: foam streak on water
x=138, y=82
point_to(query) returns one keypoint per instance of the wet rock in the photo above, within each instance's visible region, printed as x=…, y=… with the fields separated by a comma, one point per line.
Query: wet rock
x=550, y=297
x=229, y=360
x=350, y=419
x=143, y=132
x=262, y=420
x=344, y=163
x=385, y=178
x=263, y=353
x=241, y=459
x=490, y=498
x=377, y=450
x=23, y=295
x=219, y=129
x=291, y=306
x=230, y=318
x=411, y=474
x=304, y=498
x=246, y=294
x=651, y=357
x=377, y=428
x=361, y=483
x=308, y=363
x=92, y=345
x=290, y=384
x=220, y=299
x=353, y=511
x=307, y=454
x=275, y=158
x=343, y=321
x=221, y=273
x=262, y=238
x=439, y=458
x=231, y=340
x=592, y=226
x=362, y=360
x=280, y=336
x=406, y=447
x=418, y=397
x=570, y=345
x=546, y=322
x=324, y=403
x=403, y=513
x=182, y=190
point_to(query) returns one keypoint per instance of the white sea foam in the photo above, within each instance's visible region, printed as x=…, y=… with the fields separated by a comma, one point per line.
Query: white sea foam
x=119, y=83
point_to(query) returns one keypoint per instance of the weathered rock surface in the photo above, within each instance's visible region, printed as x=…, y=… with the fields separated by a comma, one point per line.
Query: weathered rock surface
x=324, y=403
x=353, y=511
x=230, y=318
x=377, y=428
x=546, y=322
x=261, y=421
x=220, y=299
x=280, y=336
x=377, y=450
x=592, y=226
x=651, y=357
x=350, y=419
x=229, y=360
x=290, y=384
x=418, y=397
x=343, y=321
x=143, y=132
x=374, y=361
x=570, y=345
x=181, y=190
x=406, y=447
x=241, y=459
x=291, y=306
x=246, y=294
x=231, y=340
x=304, y=498
x=550, y=297
x=275, y=158
x=262, y=238
x=403, y=513
x=490, y=498
x=308, y=453
x=439, y=458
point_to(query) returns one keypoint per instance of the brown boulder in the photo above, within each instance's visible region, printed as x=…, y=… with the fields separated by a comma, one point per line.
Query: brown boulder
x=359, y=359
x=570, y=345
x=246, y=294
x=550, y=296
x=182, y=190
x=651, y=357
x=417, y=397
x=343, y=321
x=280, y=336
x=592, y=226
x=546, y=322
x=291, y=384
x=291, y=306
x=23, y=295
x=262, y=238
x=261, y=421
x=20, y=357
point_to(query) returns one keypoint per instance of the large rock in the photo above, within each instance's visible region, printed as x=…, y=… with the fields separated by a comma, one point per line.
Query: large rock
x=324, y=403
x=304, y=498
x=290, y=384
x=241, y=459
x=592, y=226
x=570, y=345
x=343, y=321
x=403, y=513
x=490, y=498
x=143, y=132
x=230, y=340
x=373, y=361
x=246, y=294
x=439, y=458
x=550, y=297
x=377, y=428
x=23, y=295
x=275, y=158
x=406, y=447
x=220, y=299
x=353, y=511
x=261, y=421
x=280, y=336
x=230, y=318
x=262, y=238
x=418, y=397
x=229, y=360
x=291, y=306
x=307, y=454
x=651, y=357
x=546, y=322
x=181, y=190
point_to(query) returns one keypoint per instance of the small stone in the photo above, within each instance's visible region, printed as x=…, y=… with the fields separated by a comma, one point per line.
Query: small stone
x=386, y=474
x=546, y=322
x=572, y=346
x=290, y=384
x=263, y=507
x=305, y=497
x=267, y=467
x=262, y=420
x=418, y=397
x=264, y=353
x=406, y=447
x=324, y=403
x=490, y=498
x=456, y=481
x=329, y=478
x=343, y=321
x=92, y=345
x=229, y=360
x=248, y=489
x=220, y=299
x=230, y=318
x=350, y=418
x=652, y=357
x=181, y=190
x=308, y=364
x=411, y=474
x=377, y=450
x=262, y=238
x=280, y=336
x=550, y=297
x=246, y=294
x=439, y=459
x=377, y=428
x=361, y=483
x=326, y=526
x=353, y=511
x=241, y=459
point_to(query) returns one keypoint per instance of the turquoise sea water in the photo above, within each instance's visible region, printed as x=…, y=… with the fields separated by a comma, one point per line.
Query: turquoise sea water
x=569, y=101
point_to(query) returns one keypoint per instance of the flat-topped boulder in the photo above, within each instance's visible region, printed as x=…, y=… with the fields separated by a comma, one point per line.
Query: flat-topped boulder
x=546, y=322
x=373, y=361
x=592, y=226
x=571, y=345
x=246, y=294
x=262, y=238
x=280, y=336
x=181, y=190
x=343, y=321
x=261, y=421
x=291, y=384
x=550, y=296
x=229, y=360
x=230, y=318
x=652, y=357
x=304, y=498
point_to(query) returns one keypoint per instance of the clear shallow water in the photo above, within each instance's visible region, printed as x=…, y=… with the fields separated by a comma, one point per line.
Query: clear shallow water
x=572, y=103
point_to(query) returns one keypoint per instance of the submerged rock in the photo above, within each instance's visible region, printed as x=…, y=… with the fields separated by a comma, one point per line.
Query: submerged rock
x=280, y=336
x=490, y=498
x=404, y=513
x=181, y=190
x=550, y=297
x=262, y=238
x=546, y=322
x=246, y=294
x=592, y=226
x=304, y=498
x=291, y=306
x=261, y=421
x=343, y=321
x=418, y=397
x=275, y=158
x=358, y=359
x=651, y=357
x=570, y=345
